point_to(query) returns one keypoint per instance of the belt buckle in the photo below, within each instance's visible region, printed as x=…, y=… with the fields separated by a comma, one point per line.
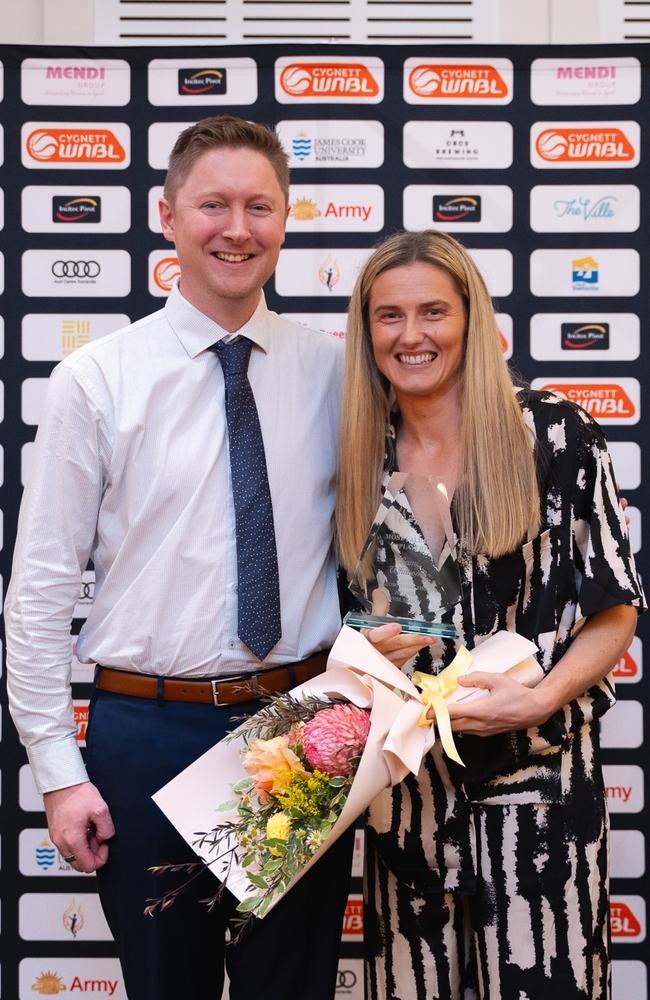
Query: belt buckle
x=215, y=694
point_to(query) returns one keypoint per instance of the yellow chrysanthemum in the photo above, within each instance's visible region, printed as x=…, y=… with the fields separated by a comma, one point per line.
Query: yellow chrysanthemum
x=278, y=827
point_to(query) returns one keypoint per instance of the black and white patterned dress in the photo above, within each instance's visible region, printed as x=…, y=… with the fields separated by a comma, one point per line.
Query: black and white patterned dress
x=490, y=882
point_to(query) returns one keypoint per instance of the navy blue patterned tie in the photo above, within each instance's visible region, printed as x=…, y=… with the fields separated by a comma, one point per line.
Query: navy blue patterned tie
x=258, y=585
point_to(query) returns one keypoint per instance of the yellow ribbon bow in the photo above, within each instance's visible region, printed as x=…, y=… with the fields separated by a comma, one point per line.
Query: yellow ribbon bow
x=434, y=692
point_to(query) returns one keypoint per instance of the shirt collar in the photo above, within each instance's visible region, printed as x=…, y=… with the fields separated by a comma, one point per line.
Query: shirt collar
x=197, y=332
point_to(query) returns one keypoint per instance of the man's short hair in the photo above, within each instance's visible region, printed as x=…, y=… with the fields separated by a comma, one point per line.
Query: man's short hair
x=224, y=131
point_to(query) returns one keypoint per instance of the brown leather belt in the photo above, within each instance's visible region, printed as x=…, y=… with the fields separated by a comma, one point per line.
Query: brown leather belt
x=211, y=692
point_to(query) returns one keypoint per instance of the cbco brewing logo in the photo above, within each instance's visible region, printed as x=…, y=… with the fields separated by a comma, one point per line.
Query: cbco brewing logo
x=198, y=82
x=451, y=80
x=328, y=79
x=68, y=208
x=605, y=399
x=584, y=145
x=165, y=273
x=59, y=145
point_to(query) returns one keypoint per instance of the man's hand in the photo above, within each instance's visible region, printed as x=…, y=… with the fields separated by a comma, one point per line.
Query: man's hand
x=80, y=825
x=396, y=646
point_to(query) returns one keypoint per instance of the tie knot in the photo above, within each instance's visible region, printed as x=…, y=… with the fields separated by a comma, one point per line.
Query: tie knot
x=233, y=356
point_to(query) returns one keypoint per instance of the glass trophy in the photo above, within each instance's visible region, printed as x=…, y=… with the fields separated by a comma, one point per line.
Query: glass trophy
x=408, y=571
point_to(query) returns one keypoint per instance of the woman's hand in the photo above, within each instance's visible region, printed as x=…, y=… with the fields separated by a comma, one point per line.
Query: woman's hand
x=505, y=706
x=399, y=647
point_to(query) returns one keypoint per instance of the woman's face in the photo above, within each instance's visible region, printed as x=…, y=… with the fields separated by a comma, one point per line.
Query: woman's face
x=417, y=325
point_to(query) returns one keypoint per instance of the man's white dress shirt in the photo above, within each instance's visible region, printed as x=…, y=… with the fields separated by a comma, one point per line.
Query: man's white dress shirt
x=131, y=469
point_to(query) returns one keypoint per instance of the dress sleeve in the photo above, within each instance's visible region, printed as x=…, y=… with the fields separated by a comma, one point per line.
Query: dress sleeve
x=605, y=567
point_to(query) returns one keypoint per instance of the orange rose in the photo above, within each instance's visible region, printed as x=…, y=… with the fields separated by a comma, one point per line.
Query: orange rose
x=271, y=763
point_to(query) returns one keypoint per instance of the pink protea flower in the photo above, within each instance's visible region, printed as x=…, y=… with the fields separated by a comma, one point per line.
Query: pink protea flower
x=334, y=737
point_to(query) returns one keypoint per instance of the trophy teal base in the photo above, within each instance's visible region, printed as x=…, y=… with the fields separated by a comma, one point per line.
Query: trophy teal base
x=411, y=626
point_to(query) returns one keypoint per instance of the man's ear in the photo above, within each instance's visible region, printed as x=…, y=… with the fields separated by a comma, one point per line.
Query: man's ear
x=166, y=219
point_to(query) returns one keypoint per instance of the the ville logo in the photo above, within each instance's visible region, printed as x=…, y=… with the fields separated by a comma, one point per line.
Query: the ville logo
x=329, y=273
x=301, y=146
x=198, y=82
x=165, y=273
x=334, y=79
x=585, y=273
x=457, y=208
x=45, y=855
x=71, y=208
x=84, y=145
x=585, y=208
x=73, y=918
x=611, y=402
x=585, y=145
x=585, y=336
x=458, y=81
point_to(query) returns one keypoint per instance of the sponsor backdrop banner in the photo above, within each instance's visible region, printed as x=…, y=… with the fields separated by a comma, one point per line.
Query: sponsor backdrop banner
x=537, y=164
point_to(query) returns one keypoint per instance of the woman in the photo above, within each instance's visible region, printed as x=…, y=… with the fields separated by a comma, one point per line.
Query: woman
x=488, y=881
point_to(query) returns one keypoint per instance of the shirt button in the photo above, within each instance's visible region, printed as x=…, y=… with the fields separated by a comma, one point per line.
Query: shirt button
x=231, y=644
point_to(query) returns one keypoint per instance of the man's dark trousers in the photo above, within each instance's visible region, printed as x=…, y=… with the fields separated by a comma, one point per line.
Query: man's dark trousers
x=135, y=746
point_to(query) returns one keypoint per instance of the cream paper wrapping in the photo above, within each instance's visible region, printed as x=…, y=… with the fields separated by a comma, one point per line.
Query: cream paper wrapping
x=358, y=673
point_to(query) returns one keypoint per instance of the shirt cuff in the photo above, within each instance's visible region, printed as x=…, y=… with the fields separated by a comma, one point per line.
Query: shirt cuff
x=57, y=764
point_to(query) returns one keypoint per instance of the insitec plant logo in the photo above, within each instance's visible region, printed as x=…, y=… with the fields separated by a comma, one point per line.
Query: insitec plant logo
x=76, y=208
x=585, y=336
x=335, y=79
x=586, y=144
x=584, y=274
x=75, y=145
x=196, y=82
x=457, y=208
x=466, y=81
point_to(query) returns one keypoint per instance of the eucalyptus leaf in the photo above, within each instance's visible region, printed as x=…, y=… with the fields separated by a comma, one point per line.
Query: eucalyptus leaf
x=250, y=904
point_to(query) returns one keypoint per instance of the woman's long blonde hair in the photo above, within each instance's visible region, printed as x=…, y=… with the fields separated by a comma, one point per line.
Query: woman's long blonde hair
x=497, y=498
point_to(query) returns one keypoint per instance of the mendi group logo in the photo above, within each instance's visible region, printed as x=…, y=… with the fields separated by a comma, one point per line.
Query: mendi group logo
x=458, y=81
x=75, y=145
x=334, y=80
x=607, y=400
x=585, y=144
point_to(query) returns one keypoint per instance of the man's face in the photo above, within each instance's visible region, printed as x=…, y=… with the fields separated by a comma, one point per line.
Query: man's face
x=227, y=220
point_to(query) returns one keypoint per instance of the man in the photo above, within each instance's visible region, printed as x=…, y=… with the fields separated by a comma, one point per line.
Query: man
x=207, y=513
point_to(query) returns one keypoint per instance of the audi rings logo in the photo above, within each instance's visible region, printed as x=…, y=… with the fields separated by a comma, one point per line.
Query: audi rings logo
x=76, y=269
x=346, y=979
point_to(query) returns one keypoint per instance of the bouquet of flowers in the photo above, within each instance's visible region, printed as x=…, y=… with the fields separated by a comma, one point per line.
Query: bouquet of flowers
x=301, y=759
x=294, y=776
